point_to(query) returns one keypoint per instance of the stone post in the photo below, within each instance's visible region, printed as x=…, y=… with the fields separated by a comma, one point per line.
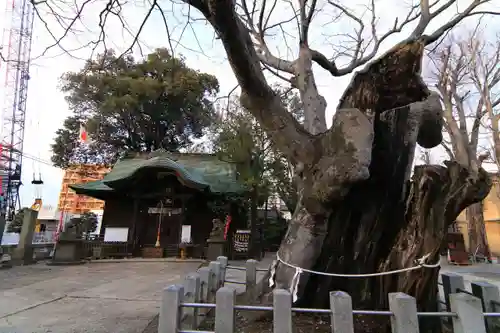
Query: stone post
x=469, y=312
x=24, y=250
x=2, y=228
x=451, y=283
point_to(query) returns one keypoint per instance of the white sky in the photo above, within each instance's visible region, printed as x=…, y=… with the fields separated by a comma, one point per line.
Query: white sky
x=46, y=108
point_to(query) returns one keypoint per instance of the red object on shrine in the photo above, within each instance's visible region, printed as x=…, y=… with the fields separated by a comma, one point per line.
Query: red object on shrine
x=226, y=229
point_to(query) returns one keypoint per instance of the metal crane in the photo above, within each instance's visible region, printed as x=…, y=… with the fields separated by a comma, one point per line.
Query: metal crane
x=15, y=63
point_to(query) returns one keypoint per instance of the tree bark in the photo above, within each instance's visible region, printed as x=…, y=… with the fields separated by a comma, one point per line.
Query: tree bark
x=437, y=196
x=365, y=225
x=313, y=103
x=388, y=155
x=478, y=241
x=348, y=142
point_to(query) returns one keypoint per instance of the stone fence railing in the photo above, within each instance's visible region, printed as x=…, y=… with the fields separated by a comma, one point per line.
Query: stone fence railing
x=204, y=295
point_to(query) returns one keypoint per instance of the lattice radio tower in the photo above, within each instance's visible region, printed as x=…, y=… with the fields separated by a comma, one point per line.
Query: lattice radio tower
x=15, y=63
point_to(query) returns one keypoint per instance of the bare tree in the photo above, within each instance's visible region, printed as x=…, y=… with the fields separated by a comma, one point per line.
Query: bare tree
x=356, y=213
x=485, y=76
x=458, y=65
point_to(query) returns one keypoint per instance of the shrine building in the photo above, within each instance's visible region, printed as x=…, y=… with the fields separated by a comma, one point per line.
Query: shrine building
x=158, y=202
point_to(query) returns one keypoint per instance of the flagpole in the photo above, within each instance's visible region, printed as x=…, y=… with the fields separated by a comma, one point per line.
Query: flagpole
x=83, y=139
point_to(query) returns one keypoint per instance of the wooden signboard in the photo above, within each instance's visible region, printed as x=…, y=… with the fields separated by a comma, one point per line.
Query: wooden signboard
x=241, y=243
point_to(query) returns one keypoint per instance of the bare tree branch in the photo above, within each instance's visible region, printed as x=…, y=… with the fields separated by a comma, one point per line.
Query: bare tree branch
x=305, y=19
x=257, y=96
x=448, y=151
x=469, y=11
x=258, y=20
x=243, y=30
x=421, y=12
x=258, y=31
x=464, y=71
x=485, y=75
x=447, y=74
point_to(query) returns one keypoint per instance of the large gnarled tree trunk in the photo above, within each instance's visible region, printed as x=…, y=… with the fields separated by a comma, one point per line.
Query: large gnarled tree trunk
x=355, y=205
x=358, y=228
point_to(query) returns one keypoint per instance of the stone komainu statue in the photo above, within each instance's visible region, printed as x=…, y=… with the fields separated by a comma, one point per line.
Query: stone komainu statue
x=217, y=229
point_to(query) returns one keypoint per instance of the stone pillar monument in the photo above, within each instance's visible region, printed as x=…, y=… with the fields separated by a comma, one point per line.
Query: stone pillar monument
x=216, y=242
x=23, y=254
x=5, y=259
x=2, y=227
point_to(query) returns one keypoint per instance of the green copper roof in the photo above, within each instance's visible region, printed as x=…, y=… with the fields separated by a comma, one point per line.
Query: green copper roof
x=201, y=171
x=96, y=189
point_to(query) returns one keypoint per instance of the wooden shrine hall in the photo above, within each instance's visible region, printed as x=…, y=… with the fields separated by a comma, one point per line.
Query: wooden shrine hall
x=161, y=201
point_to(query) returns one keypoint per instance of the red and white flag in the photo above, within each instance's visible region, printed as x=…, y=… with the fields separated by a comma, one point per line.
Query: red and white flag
x=83, y=137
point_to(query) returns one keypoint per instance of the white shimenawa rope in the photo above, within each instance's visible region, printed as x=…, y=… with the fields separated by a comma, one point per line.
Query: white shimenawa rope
x=298, y=270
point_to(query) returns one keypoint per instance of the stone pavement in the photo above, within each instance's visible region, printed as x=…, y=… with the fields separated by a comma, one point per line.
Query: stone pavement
x=96, y=297
x=477, y=272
